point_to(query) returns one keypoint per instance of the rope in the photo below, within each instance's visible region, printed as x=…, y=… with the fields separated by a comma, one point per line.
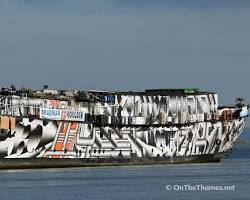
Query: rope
x=244, y=141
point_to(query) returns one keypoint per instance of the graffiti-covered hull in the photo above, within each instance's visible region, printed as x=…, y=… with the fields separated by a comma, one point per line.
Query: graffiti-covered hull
x=169, y=126
x=77, y=140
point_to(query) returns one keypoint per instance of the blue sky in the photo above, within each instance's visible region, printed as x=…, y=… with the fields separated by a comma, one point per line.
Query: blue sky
x=127, y=45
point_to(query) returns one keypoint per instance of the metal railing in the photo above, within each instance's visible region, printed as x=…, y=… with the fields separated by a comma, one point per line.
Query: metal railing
x=19, y=109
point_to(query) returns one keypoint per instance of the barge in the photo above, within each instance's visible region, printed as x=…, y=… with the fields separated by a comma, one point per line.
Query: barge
x=67, y=128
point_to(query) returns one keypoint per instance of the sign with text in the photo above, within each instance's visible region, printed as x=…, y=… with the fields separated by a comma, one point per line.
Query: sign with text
x=71, y=115
x=52, y=114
